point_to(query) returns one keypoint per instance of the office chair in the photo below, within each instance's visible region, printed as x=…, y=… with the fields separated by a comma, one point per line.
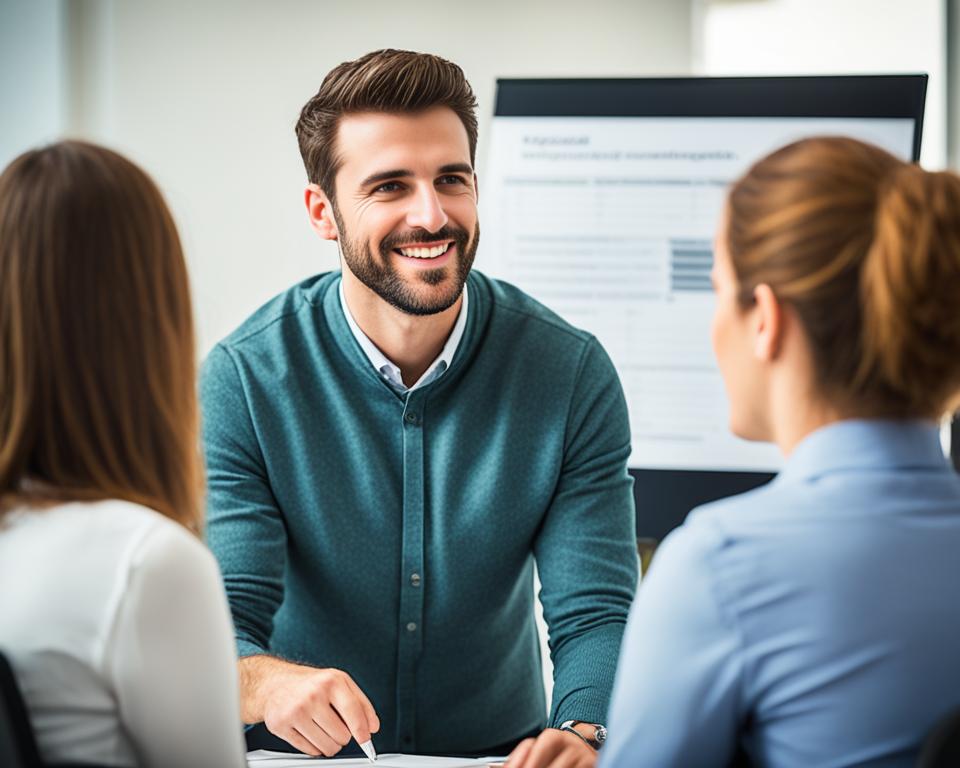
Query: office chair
x=18, y=748
x=941, y=747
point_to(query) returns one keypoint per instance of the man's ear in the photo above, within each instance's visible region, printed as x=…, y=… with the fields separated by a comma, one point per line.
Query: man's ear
x=768, y=323
x=320, y=212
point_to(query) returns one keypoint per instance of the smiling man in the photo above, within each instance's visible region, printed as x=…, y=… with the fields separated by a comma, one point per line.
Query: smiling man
x=391, y=448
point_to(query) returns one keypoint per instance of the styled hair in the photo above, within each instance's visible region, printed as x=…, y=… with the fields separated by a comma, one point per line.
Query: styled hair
x=97, y=358
x=391, y=81
x=866, y=249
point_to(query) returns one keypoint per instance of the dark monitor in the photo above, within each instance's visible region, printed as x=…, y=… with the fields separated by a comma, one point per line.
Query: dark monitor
x=600, y=198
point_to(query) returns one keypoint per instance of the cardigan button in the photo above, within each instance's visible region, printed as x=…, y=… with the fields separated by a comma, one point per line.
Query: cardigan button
x=410, y=417
x=415, y=579
x=411, y=627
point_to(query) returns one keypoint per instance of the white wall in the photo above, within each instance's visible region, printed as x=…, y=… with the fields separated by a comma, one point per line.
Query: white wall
x=32, y=75
x=768, y=37
x=205, y=95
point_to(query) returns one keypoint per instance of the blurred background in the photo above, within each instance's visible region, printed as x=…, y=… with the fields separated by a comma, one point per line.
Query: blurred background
x=205, y=95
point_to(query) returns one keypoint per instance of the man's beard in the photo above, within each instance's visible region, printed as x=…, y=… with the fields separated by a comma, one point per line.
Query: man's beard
x=381, y=276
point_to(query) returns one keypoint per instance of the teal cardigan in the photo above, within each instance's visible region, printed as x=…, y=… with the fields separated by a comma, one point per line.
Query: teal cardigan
x=394, y=536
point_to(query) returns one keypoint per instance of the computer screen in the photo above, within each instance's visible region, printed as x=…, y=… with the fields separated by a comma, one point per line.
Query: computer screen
x=601, y=199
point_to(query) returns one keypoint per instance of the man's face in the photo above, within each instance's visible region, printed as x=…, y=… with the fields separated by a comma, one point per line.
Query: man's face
x=406, y=206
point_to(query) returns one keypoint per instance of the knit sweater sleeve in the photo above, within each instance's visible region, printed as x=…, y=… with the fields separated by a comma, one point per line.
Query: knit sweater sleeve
x=586, y=550
x=245, y=529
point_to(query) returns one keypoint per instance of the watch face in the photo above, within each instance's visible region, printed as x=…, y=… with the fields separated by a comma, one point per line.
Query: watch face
x=599, y=732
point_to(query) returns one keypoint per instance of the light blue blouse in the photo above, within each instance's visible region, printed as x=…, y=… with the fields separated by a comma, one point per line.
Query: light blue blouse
x=815, y=618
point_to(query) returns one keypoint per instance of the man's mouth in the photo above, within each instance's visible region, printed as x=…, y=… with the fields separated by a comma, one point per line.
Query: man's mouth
x=425, y=250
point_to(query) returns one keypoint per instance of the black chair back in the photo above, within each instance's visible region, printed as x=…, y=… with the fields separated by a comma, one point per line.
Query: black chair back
x=941, y=748
x=18, y=747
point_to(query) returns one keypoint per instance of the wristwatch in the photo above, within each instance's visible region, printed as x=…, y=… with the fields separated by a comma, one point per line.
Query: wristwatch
x=595, y=741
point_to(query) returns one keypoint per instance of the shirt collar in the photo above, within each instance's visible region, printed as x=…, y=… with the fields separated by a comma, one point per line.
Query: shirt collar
x=866, y=444
x=387, y=368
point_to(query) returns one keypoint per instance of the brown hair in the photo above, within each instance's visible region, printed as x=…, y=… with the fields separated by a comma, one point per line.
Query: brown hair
x=97, y=366
x=383, y=81
x=866, y=249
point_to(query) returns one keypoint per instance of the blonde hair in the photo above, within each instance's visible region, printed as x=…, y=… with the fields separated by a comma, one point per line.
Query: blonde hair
x=97, y=359
x=866, y=249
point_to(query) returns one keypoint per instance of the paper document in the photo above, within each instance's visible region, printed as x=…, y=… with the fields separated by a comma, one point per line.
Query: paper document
x=263, y=758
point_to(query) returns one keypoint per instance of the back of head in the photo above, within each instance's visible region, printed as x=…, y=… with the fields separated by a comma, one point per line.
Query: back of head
x=97, y=360
x=866, y=249
x=390, y=81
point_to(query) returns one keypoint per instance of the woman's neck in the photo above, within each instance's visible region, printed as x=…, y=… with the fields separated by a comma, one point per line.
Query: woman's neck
x=797, y=410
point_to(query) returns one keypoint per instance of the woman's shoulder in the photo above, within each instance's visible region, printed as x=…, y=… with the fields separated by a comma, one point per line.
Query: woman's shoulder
x=77, y=564
x=734, y=538
x=115, y=519
x=150, y=542
x=722, y=522
x=110, y=534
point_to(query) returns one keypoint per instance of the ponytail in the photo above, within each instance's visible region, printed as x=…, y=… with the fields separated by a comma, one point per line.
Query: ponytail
x=910, y=290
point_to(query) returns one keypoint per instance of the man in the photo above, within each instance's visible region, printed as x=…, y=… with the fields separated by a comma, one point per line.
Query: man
x=391, y=448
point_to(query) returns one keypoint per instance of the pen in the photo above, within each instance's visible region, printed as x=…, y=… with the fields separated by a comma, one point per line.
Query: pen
x=369, y=751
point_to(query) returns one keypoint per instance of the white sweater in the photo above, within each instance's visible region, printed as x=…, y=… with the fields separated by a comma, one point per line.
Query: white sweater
x=115, y=621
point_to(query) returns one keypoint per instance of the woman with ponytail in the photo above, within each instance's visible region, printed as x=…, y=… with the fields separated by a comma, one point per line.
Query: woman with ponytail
x=112, y=612
x=812, y=622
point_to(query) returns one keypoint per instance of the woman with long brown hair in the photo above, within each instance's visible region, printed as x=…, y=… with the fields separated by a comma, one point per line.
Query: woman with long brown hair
x=114, y=617
x=813, y=621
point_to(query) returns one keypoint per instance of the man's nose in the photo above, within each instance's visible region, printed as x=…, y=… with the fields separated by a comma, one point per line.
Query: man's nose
x=426, y=211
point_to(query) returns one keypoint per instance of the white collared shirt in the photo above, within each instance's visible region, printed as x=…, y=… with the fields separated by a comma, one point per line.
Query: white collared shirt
x=117, y=627
x=388, y=369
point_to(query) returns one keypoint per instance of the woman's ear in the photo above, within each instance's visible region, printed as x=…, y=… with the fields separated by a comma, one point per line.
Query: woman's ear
x=320, y=212
x=768, y=324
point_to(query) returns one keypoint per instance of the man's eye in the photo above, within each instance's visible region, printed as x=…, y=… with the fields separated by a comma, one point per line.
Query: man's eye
x=390, y=186
x=451, y=179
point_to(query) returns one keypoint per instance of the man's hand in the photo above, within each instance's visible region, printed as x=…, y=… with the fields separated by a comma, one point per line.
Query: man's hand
x=315, y=710
x=553, y=748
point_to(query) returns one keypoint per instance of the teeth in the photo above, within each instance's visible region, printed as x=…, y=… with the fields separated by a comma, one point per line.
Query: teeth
x=424, y=253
